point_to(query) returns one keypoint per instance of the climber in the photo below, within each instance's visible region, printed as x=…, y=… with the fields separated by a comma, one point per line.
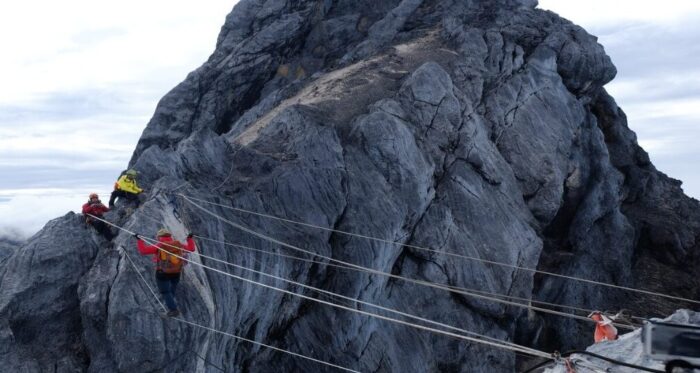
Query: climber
x=168, y=266
x=95, y=207
x=604, y=329
x=126, y=188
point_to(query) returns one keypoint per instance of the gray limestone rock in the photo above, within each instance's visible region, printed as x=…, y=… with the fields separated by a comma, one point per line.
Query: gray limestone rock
x=477, y=128
x=40, y=323
x=7, y=246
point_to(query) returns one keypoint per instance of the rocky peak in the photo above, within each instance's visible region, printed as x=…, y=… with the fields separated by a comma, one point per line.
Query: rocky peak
x=476, y=128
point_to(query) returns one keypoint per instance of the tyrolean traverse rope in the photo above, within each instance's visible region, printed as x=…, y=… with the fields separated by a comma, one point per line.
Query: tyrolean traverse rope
x=647, y=292
x=381, y=317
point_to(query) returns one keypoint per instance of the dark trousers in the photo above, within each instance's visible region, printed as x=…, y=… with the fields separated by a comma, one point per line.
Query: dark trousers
x=167, y=283
x=122, y=194
x=102, y=229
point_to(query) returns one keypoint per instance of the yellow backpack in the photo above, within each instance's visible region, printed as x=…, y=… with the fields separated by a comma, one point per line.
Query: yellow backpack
x=167, y=262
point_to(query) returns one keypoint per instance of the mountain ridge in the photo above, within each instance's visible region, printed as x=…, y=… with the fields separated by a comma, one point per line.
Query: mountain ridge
x=475, y=127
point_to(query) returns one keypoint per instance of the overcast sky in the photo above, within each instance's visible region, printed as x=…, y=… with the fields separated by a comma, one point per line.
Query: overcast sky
x=80, y=79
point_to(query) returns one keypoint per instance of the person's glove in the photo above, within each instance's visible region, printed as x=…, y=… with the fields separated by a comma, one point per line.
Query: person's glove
x=137, y=236
x=190, y=235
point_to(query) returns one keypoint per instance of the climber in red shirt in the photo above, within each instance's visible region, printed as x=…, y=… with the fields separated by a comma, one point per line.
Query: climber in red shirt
x=167, y=254
x=95, y=207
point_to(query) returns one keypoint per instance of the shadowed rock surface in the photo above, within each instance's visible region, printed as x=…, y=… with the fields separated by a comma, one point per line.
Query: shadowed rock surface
x=473, y=127
x=7, y=246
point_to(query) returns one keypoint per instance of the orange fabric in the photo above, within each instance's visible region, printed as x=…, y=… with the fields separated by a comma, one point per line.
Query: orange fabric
x=605, y=333
x=604, y=330
x=169, y=263
x=162, y=242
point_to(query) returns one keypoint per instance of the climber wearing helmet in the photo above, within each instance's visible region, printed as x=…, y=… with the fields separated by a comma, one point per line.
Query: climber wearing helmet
x=168, y=255
x=95, y=207
x=126, y=188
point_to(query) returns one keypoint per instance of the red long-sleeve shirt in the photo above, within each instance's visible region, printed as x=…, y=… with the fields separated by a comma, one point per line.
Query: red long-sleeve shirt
x=162, y=241
x=96, y=209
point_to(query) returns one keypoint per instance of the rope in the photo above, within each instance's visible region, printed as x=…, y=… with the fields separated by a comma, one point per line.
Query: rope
x=264, y=345
x=338, y=295
x=586, y=311
x=381, y=317
x=144, y=281
x=499, y=344
x=182, y=320
x=630, y=325
x=164, y=309
x=230, y=171
x=418, y=282
x=343, y=267
x=321, y=291
x=647, y=292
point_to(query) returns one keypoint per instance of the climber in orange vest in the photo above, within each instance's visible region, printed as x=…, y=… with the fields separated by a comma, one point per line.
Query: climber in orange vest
x=168, y=266
x=604, y=329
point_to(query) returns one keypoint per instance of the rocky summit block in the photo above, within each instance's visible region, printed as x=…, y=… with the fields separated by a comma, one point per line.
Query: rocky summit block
x=477, y=129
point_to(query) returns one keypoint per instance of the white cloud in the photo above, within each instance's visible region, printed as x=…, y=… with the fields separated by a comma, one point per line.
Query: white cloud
x=666, y=87
x=79, y=44
x=80, y=79
x=656, y=48
x=25, y=211
x=601, y=13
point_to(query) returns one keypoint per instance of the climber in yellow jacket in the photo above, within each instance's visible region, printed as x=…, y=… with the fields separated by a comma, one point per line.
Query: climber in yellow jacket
x=126, y=188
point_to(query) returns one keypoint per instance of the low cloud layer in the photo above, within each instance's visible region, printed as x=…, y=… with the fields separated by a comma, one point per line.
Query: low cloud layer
x=80, y=81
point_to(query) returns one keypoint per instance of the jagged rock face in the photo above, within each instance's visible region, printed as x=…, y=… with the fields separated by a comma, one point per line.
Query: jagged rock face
x=472, y=127
x=38, y=301
x=7, y=246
